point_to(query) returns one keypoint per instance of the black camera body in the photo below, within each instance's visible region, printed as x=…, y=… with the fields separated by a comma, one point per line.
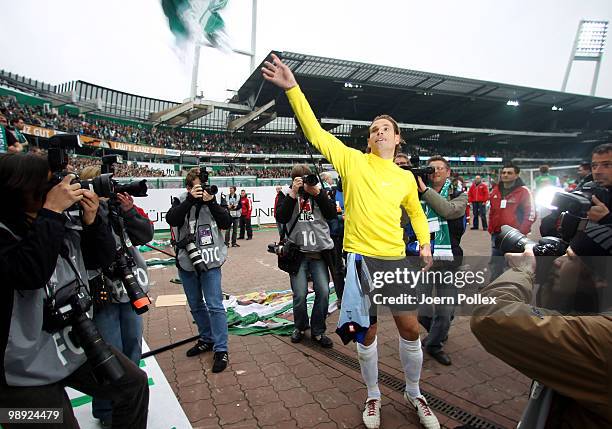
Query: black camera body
x=203, y=176
x=69, y=308
x=310, y=180
x=422, y=172
x=280, y=249
x=511, y=240
x=570, y=213
x=59, y=313
x=103, y=185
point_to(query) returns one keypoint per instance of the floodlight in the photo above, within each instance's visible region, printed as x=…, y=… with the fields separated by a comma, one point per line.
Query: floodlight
x=589, y=45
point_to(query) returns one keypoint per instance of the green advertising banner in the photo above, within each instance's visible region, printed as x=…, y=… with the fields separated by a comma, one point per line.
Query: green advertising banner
x=2, y=140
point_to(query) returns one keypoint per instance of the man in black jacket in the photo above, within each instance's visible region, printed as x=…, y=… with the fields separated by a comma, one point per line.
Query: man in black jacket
x=44, y=256
x=197, y=220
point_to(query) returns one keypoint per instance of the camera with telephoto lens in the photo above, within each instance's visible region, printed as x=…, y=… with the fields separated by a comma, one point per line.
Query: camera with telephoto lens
x=422, y=172
x=280, y=249
x=103, y=185
x=121, y=268
x=511, y=240
x=68, y=306
x=569, y=215
x=59, y=146
x=135, y=189
x=203, y=176
x=195, y=256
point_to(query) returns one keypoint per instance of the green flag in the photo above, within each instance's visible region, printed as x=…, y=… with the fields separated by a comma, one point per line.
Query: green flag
x=197, y=20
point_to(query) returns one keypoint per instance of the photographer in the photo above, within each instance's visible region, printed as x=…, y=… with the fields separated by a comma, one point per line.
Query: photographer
x=44, y=257
x=197, y=220
x=584, y=173
x=117, y=321
x=601, y=167
x=304, y=212
x=445, y=210
x=567, y=355
x=234, y=206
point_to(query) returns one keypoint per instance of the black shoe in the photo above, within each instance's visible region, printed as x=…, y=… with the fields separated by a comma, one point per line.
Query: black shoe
x=235, y=245
x=324, y=341
x=297, y=336
x=240, y=238
x=249, y=238
x=441, y=357
x=220, y=361
x=475, y=227
x=200, y=347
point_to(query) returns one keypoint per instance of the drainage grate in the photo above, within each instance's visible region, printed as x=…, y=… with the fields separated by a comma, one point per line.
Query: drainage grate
x=398, y=385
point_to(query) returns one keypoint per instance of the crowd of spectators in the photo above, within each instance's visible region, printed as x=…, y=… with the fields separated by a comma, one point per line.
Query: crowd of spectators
x=264, y=173
x=127, y=169
x=145, y=134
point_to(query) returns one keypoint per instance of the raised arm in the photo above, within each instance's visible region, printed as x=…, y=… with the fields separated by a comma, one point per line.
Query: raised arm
x=332, y=149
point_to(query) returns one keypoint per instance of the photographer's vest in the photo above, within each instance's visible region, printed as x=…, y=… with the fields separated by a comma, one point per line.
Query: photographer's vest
x=311, y=232
x=233, y=200
x=34, y=357
x=208, y=237
x=119, y=294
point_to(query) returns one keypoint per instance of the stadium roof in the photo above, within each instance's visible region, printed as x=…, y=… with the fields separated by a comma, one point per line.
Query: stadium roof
x=346, y=92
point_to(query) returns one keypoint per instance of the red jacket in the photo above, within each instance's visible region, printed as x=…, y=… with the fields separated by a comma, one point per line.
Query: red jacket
x=478, y=193
x=247, y=207
x=518, y=213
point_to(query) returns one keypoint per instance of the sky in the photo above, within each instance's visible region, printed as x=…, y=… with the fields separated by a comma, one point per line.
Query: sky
x=126, y=44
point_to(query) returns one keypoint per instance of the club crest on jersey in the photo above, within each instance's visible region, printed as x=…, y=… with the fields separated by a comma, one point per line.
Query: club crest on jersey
x=306, y=214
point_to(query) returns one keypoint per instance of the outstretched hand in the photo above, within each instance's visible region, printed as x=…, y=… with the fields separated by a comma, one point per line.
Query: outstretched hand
x=278, y=73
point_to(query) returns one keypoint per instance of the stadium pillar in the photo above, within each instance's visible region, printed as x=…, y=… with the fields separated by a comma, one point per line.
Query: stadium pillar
x=194, y=73
x=253, y=34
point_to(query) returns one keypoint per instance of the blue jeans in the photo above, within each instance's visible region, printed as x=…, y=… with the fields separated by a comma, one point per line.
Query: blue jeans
x=299, y=286
x=497, y=264
x=121, y=327
x=205, y=300
x=479, y=210
x=437, y=319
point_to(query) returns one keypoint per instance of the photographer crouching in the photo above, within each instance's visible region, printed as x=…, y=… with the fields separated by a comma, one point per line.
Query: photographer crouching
x=567, y=356
x=47, y=340
x=197, y=220
x=119, y=291
x=304, y=213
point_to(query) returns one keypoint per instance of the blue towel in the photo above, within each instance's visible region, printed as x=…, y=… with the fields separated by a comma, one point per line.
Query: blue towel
x=354, y=318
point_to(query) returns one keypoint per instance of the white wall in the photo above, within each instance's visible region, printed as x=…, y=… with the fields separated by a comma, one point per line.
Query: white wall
x=156, y=205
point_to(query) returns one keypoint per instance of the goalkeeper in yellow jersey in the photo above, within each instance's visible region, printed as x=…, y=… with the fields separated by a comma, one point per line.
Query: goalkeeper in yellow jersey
x=375, y=189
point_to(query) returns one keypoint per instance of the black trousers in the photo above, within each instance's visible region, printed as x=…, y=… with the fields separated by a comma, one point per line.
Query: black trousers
x=479, y=209
x=130, y=396
x=232, y=229
x=245, y=223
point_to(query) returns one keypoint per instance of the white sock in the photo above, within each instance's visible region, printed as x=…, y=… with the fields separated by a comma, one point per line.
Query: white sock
x=411, y=356
x=368, y=362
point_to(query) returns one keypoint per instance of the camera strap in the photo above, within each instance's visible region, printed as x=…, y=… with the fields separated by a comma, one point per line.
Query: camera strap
x=316, y=169
x=288, y=233
x=51, y=292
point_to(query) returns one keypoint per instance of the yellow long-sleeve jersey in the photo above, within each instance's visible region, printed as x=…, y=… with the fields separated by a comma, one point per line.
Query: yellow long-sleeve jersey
x=374, y=191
